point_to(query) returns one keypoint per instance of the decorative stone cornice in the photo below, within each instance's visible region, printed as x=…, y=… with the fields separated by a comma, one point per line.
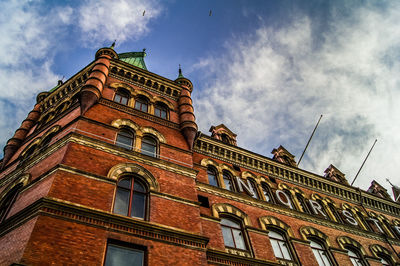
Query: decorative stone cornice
x=266, y=166
x=144, y=79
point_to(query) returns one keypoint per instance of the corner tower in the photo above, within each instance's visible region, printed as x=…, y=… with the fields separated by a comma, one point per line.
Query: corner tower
x=104, y=162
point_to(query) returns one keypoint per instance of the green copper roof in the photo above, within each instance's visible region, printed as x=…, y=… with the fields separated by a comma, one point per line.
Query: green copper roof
x=59, y=83
x=134, y=58
x=53, y=89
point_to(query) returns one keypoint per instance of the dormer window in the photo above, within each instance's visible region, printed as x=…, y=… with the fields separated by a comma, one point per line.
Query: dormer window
x=223, y=134
x=225, y=138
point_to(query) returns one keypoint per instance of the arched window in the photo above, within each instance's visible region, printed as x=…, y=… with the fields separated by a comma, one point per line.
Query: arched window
x=149, y=146
x=161, y=110
x=302, y=203
x=320, y=253
x=233, y=233
x=228, y=181
x=142, y=104
x=8, y=201
x=46, y=141
x=253, y=185
x=385, y=261
x=280, y=245
x=366, y=224
x=131, y=197
x=267, y=192
x=212, y=176
x=335, y=212
x=124, y=139
x=121, y=96
x=355, y=257
x=225, y=138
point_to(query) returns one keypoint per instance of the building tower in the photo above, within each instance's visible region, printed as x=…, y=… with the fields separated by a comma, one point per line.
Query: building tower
x=109, y=168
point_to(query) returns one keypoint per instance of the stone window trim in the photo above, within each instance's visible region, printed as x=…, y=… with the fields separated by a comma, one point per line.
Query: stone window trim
x=123, y=169
x=219, y=209
x=38, y=144
x=139, y=133
x=380, y=252
x=10, y=194
x=345, y=242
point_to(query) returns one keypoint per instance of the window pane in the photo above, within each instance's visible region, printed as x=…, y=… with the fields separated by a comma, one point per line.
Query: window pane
x=138, y=187
x=124, y=100
x=275, y=247
x=138, y=205
x=212, y=178
x=137, y=105
x=228, y=182
x=266, y=194
x=238, y=235
x=275, y=235
x=285, y=250
x=124, y=139
x=385, y=262
x=117, y=98
x=125, y=183
x=160, y=112
x=315, y=245
x=148, y=149
x=325, y=258
x=230, y=223
x=121, y=256
x=121, y=201
x=318, y=258
x=228, y=240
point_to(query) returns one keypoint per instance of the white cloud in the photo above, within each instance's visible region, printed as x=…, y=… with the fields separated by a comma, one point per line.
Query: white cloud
x=25, y=49
x=34, y=31
x=119, y=19
x=271, y=86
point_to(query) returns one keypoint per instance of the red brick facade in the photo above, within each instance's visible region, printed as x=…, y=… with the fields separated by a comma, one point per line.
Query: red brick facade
x=62, y=171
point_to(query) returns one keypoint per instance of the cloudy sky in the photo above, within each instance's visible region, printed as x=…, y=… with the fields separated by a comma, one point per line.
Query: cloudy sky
x=266, y=69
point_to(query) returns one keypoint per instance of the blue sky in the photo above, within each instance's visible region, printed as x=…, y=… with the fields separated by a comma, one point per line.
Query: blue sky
x=266, y=69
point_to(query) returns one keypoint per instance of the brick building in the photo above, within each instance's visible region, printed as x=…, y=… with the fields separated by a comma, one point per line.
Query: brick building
x=109, y=168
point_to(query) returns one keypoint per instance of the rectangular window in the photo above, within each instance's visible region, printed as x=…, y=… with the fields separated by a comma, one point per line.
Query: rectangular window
x=119, y=255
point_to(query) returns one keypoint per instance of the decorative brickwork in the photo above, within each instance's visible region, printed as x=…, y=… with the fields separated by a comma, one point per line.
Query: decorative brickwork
x=89, y=167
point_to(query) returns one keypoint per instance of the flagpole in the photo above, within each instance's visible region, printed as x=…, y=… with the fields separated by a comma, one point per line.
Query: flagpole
x=363, y=162
x=312, y=134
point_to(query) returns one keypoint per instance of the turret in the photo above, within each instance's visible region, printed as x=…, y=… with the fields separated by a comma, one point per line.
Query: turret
x=187, y=119
x=93, y=88
x=19, y=136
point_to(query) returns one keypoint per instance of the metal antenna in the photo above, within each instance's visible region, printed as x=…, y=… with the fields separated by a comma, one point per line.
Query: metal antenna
x=301, y=157
x=363, y=162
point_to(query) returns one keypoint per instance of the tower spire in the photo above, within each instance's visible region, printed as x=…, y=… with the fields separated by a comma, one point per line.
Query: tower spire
x=180, y=75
